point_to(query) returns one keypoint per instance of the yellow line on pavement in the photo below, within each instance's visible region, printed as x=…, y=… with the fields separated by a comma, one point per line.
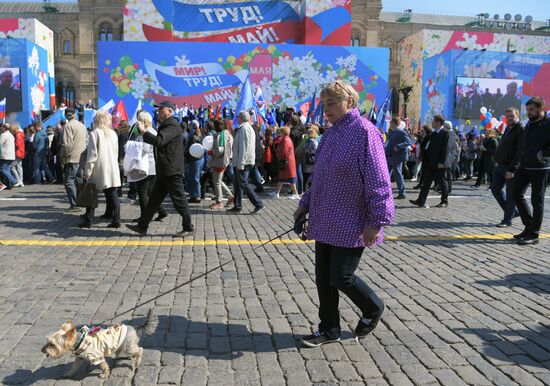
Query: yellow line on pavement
x=199, y=243
x=141, y=243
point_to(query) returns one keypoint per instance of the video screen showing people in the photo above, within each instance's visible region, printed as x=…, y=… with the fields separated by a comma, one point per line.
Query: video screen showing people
x=495, y=94
x=10, y=89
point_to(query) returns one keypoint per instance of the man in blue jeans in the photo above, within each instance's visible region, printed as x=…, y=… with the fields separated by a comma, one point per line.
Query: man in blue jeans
x=40, y=143
x=396, y=152
x=506, y=156
x=73, y=147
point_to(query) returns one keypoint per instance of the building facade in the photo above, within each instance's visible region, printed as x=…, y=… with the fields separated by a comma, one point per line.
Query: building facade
x=79, y=26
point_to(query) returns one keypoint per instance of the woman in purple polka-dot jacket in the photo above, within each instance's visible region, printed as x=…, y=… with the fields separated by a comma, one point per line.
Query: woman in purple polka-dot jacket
x=349, y=202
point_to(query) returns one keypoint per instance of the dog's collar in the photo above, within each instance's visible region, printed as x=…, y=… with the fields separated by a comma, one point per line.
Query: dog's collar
x=83, y=332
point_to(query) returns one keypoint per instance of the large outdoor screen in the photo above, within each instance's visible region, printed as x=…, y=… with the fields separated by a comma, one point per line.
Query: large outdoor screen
x=10, y=89
x=495, y=94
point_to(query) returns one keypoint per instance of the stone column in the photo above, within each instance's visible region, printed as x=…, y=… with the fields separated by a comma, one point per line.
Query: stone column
x=86, y=44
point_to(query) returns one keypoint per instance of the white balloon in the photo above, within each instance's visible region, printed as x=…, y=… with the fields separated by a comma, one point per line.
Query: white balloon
x=483, y=110
x=207, y=142
x=196, y=150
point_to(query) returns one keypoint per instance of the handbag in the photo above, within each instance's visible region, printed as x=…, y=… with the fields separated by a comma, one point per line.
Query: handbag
x=309, y=159
x=86, y=195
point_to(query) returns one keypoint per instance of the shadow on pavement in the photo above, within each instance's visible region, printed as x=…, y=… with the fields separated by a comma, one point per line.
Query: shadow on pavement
x=538, y=283
x=220, y=341
x=518, y=346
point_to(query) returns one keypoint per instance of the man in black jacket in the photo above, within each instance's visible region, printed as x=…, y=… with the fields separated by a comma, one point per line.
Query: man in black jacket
x=424, y=155
x=168, y=144
x=534, y=163
x=507, y=151
x=439, y=151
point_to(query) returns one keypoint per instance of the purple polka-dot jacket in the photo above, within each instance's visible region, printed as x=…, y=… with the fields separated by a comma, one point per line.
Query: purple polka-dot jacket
x=350, y=186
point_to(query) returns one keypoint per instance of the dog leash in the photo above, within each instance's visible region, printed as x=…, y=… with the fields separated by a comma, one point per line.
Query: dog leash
x=300, y=228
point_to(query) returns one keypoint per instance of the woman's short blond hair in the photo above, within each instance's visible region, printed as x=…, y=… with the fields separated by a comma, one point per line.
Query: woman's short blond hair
x=490, y=133
x=285, y=130
x=340, y=90
x=103, y=120
x=312, y=133
x=145, y=118
x=14, y=128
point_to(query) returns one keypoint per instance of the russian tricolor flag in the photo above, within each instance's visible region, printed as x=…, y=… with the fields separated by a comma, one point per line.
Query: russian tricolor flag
x=3, y=109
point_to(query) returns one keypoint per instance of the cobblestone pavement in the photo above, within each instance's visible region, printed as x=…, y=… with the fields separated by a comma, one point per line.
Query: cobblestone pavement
x=463, y=306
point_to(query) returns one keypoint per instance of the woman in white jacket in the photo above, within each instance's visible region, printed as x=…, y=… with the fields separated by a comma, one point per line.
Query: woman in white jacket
x=102, y=167
x=146, y=182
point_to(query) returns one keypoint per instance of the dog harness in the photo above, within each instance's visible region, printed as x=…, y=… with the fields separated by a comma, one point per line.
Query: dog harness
x=96, y=343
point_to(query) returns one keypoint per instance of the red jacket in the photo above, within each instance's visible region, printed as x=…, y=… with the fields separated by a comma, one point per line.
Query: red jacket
x=20, y=144
x=285, y=150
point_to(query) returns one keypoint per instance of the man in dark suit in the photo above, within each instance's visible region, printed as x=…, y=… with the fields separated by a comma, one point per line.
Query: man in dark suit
x=507, y=158
x=439, y=150
x=424, y=155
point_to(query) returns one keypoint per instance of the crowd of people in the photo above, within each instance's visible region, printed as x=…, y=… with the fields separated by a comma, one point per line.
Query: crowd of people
x=507, y=162
x=343, y=185
x=243, y=159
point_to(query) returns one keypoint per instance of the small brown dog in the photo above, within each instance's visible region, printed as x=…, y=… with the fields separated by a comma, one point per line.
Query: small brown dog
x=94, y=345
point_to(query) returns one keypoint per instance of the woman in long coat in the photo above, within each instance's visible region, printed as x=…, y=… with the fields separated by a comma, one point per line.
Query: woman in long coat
x=102, y=167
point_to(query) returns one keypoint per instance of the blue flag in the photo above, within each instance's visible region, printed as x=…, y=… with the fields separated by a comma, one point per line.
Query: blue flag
x=272, y=118
x=311, y=110
x=246, y=100
x=385, y=112
x=372, y=113
x=319, y=114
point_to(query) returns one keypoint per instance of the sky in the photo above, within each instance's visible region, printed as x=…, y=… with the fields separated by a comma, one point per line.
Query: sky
x=539, y=9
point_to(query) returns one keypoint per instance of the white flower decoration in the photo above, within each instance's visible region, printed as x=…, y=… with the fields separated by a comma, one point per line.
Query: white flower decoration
x=5, y=61
x=34, y=62
x=182, y=61
x=37, y=97
x=140, y=85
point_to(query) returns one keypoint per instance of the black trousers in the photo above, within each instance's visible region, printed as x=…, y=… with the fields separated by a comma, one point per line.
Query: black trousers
x=335, y=271
x=538, y=180
x=242, y=185
x=206, y=179
x=486, y=167
x=449, y=178
x=112, y=208
x=422, y=173
x=144, y=188
x=172, y=186
x=440, y=177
